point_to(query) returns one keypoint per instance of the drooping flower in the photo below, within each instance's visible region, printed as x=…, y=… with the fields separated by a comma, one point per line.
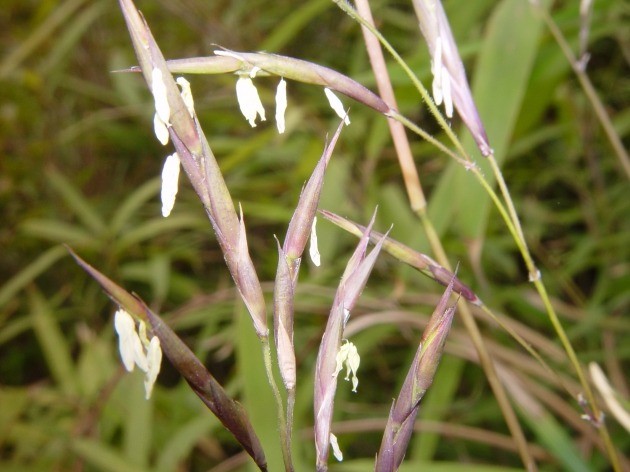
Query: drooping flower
x=136, y=349
x=154, y=361
x=334, y=444
x=336, y=105
x=441, y=85
x=281, y=105
x=450, y=84
x=313, y=250
x=158, y=88
x=129, y=343
x=348, y=356
x=186, y=94
x=249, y=101
x=170, y=180
x=160, y=129
x=162, y=108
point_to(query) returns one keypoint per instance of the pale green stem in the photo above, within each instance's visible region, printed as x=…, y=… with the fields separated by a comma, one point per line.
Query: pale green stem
x=484, y=357
x=509, y=215
x=408, y=167
x=414, y=79
x=285, y=439
x=535, y=277
x=566, y=343
x=589, y=90
x=423, y=134
x=290, y=410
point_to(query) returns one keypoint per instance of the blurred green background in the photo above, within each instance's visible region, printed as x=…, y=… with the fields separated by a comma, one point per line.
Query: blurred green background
x=79, y=165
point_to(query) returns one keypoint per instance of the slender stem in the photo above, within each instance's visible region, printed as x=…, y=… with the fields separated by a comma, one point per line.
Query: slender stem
x=285, y=439
x=396, y=129
x=406, y=161
x=589, y=90
x=566, y=343
x=290, y=410
x=534, y=276
x=414, y=79
x=484, y=358
x=508, y=214
x=426, y=136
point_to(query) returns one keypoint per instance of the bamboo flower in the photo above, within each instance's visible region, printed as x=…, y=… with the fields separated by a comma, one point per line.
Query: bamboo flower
x=186, y=94
x=336, y=105
x=313, y=249
x=348, y=356
x=129, y=343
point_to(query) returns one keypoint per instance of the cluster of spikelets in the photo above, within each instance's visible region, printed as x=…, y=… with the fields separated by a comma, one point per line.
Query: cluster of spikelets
x=143, y=336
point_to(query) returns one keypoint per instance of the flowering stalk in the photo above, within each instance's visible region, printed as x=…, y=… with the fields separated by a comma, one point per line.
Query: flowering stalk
x=290, y=256
x=281, y=66
x=449, y=77
x=415, y=259
x=199, y=163
x=420, y=376
x=352, y=283
x=228, y=411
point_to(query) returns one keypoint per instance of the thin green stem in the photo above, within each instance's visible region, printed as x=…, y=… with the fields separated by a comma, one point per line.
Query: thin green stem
x=510, y=216
x=290, y=410
x=423, y=134
x=406, y=161
x=484, y=357
x=285, y=439
x=566, y=343
x=589, y=90
x=412, y=76
x=535, y=277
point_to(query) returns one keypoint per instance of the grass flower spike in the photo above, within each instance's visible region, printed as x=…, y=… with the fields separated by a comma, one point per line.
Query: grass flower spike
x=449, y=77
x=419, y=377
x=211, y=393
x=352, y=283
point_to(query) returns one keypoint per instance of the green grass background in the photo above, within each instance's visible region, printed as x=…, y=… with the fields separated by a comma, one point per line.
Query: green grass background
x=79, y=165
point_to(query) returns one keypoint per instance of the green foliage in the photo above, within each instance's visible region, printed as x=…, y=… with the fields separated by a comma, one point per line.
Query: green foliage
x=80, y=166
